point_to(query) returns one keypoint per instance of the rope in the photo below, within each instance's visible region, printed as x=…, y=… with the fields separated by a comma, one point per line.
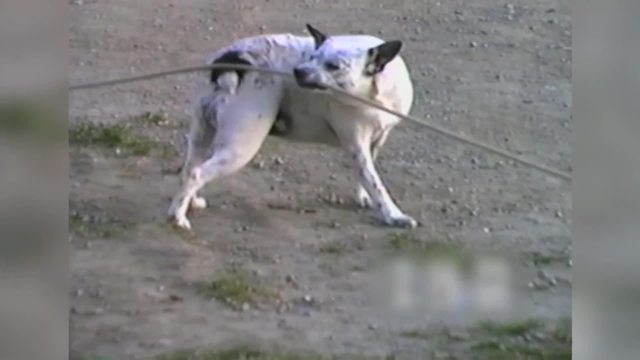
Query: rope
x=336, y=92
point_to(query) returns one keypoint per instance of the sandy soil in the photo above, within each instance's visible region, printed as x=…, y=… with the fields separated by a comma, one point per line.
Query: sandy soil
x=497, y=71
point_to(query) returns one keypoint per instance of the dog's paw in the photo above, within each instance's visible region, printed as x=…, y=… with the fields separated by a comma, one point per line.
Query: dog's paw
x=198, y=203
x=180, y=222
x=183, y=223
x=363, y=198
x=403, y=221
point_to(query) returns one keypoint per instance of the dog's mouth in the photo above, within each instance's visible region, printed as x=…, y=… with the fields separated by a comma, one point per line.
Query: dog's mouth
x=311, y=85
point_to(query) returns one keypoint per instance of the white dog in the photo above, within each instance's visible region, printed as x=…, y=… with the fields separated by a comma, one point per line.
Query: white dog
x=242, y=108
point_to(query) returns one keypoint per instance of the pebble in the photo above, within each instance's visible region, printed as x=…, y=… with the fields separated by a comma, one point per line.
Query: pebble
x=290, y=279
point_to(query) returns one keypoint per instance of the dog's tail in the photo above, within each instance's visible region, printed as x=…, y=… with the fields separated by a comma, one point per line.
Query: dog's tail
x=222, y=84
x=229, y=57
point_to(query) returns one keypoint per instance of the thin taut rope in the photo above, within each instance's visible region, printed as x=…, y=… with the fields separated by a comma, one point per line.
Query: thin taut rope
x=336, y=92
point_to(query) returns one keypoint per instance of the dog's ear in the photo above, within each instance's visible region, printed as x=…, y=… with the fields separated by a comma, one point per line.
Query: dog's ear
x=380, y=56
x=318, y=36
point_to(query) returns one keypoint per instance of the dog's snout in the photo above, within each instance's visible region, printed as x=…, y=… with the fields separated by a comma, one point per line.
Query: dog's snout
x=299, y=73
x=307, y=78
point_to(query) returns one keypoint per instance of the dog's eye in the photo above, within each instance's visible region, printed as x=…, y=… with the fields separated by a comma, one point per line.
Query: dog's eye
x=331, y=66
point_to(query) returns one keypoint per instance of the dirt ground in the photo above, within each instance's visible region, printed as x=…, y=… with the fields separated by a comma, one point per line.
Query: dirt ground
x=287, y=225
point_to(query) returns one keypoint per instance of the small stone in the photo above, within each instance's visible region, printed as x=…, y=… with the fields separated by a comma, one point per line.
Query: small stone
x=473, y=44
x=486, y=230
x=246, y=307
x=307, y=299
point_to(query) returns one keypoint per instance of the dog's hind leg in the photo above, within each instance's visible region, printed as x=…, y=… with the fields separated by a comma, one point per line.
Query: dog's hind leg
x=199, y=143
x=243, y=123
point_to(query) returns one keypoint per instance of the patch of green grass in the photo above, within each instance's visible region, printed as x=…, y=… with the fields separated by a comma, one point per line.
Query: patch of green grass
x=417, y=334
x=496, y=350
x=357, y=268
x=249, y=353
x=405, y=243
x=402, y=241
x=516, y=328
x=504, y=341
x=89, y=227
x=184, y=234
x=110, y=136
x=333, y=248
x=152, y=119
x=545, y=259
x=235, y=288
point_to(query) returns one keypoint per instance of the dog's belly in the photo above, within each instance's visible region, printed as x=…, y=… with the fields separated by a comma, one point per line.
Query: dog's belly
x=302, y=118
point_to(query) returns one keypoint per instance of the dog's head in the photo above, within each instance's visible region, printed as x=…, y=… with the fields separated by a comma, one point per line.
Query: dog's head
x=345, y=64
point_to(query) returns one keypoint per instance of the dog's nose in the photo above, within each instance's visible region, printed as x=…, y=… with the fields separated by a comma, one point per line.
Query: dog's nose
x=299, y=73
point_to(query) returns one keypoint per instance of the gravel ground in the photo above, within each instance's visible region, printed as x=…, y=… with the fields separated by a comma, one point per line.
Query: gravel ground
x=283, y=258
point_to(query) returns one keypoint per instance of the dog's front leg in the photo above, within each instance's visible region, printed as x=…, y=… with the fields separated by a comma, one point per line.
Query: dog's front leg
x=374, y=186
x=364, y=200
